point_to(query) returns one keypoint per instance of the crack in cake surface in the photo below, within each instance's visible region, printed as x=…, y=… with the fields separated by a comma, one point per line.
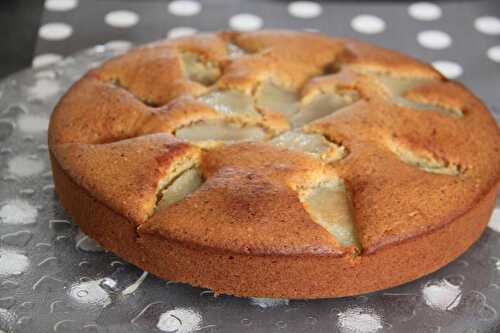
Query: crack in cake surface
x=398, y=87
x=423, y=159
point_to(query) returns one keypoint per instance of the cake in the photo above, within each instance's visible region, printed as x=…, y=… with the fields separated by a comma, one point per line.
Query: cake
x=276, y=163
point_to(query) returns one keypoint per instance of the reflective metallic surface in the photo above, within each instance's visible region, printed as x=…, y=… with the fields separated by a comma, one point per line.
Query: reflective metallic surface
x=53, y=278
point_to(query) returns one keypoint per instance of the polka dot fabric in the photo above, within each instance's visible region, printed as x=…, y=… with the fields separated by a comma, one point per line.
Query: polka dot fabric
x=245, y=22
x=450, y=69
x=488, y=25
x=184, y=7
x=417, y=28
x=60, y=5
x=55, y=31
x=425, y=11
x=434, y=39
x=368, y=24
x=121, y=18
x=305, y=9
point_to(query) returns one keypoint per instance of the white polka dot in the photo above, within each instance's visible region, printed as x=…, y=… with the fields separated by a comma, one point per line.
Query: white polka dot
x=89, y=293
x=368, y=24
x=245, y=22
x=12, y=263
x=119, y=45
x=494, y=53
x=425, y=11
x=121, y=18
x=450, y=69
x=304, y=9
x=360, y=320
x=60, y=5
x=8, y=318
x=489, y=25
x=180, y=320
x=33, y=123
x=181, y=32
x=268, y=302
x=41, y=89
x=45, y=59
x=441, y=295
x=18, y=211
x=184, y=7
x=55, y=31
x=434, y=39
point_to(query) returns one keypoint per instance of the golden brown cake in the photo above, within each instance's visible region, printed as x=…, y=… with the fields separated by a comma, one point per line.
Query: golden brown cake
x=276, y=163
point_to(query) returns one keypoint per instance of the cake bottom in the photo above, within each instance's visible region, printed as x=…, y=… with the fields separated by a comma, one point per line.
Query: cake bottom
x=292, y=277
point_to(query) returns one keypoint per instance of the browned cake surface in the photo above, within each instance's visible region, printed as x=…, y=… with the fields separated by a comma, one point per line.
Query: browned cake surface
x=276, y=163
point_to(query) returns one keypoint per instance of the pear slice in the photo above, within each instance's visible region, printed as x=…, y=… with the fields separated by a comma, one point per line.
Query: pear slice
x=424, y=160
x=180, y=187
x=310, y=143
x=329, y=205
x=322, y=105
x=220, y=130
x=398, y=86
x=196, y=70
x=272, y=97
x=230, y=103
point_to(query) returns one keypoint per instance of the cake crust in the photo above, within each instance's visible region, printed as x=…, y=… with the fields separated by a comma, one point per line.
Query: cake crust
x=420, y=168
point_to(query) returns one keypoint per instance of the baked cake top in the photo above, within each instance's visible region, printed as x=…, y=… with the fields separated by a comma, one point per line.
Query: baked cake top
x=277, y=142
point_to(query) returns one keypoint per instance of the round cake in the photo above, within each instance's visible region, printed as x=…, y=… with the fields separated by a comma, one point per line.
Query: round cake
x=276, y=163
